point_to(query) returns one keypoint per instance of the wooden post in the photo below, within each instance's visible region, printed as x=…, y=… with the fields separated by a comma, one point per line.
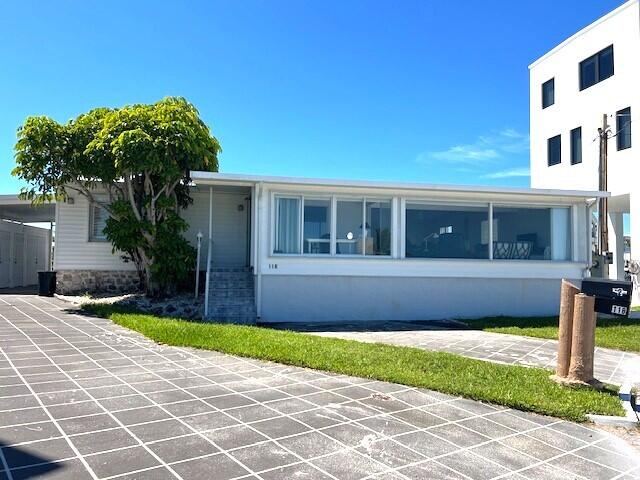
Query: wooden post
x=583, y=339
x=565, y=327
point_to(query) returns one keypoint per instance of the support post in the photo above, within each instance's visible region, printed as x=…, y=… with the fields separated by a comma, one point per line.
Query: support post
x=583, y=339
x=565, y=327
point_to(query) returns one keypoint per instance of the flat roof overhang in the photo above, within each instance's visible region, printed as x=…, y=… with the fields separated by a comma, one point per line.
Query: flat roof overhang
x=15, y=209
x=214, y=178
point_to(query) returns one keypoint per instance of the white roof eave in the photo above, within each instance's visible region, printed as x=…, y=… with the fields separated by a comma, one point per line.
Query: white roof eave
x=212, y=178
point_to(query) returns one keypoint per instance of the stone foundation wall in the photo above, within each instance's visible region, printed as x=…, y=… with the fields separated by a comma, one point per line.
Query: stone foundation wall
x=70, y=282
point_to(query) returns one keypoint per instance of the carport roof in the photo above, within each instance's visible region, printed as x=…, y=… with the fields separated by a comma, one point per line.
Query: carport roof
x=13, y=208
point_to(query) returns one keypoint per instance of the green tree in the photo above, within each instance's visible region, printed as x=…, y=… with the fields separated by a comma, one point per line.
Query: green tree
x=140, y=157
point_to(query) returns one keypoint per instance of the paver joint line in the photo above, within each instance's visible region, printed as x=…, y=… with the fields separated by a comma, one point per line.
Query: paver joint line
x=70, y=344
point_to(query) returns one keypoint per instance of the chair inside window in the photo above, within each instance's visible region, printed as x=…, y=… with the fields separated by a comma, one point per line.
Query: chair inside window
x=521, y=250
x=502, y=250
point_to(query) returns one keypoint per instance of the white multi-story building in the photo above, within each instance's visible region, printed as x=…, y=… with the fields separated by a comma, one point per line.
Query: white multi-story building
x=592, y=73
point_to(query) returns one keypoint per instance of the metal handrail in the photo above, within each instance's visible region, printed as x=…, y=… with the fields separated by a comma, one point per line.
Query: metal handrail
x=208, y=275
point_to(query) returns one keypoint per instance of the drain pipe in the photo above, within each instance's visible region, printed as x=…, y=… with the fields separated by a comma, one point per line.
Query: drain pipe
x=258, y=297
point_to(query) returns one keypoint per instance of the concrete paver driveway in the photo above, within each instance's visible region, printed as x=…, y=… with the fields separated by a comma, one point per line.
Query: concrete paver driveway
x=83, y=398
x=611, y=366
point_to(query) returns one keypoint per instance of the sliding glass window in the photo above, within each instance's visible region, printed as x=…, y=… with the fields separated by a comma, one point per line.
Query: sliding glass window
x=317, y=226
x=446, y=231
x=378, y=228
x=349, y=231
x=287, y=231
x=531, y=233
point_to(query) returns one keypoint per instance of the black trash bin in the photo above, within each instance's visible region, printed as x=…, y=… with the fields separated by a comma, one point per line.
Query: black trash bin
x=46, y=283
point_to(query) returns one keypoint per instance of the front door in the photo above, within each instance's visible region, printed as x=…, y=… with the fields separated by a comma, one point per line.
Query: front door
x=230, y=229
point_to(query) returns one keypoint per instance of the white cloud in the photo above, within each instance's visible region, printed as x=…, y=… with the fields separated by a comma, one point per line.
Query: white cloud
x=487, y=150
x=514, y=172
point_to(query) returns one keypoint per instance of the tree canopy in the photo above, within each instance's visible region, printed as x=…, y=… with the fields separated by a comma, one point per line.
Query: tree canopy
x=138, y=156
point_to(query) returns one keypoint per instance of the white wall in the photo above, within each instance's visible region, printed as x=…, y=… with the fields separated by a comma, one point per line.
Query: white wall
x=74, y=251
x=24, y=251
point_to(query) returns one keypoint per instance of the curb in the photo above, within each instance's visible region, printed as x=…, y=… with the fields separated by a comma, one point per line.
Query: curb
x=631, y=418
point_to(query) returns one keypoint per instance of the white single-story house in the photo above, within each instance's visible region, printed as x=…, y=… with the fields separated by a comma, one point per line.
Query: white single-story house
x=310, y=250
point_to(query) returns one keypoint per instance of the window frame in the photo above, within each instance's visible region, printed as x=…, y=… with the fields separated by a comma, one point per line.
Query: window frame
x=619, y=113
x=553, y=93
x=90, y=236
x=572, y=149
x=559, y=137
x=333, y=199
x=539, y=206
x=597, y=57
x=443, y=203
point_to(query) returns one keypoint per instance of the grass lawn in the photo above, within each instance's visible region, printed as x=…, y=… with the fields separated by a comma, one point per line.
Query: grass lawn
x=513, y=386
x=617, y=333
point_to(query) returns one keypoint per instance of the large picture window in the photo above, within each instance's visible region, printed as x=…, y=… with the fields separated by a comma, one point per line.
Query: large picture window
x=304, y=225
x=446, y=231
x=529, y=233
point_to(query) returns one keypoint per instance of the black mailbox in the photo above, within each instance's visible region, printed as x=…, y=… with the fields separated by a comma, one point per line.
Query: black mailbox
x=612, y=296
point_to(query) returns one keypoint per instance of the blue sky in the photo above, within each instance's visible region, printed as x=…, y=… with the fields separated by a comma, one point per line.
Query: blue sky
x=425, y=91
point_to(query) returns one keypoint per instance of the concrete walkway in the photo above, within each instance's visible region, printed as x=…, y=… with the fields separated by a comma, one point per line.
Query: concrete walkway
x=81, y=398
x=611, y=366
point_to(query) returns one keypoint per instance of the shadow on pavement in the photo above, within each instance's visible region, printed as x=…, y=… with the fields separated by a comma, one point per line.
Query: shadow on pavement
x=28, y=464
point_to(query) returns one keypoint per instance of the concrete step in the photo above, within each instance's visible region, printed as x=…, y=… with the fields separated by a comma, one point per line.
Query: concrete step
x=231, y=310
x=237, y=319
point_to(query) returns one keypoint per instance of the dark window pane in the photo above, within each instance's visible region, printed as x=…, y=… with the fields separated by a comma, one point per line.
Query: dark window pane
x=378, y=228
x=434, y=231
x=548, y=93
x=553, y=150
x=521, y=233
x=576, y=145
x=605, y=63
x=588, y=72
x=623, y=127
x=316, y=227
x=596, y=68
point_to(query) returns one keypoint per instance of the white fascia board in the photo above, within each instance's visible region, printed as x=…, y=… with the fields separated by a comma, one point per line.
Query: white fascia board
x=212, y=178
x=578, y=34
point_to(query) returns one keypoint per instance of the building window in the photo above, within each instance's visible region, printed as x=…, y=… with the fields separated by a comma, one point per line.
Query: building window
x=596, y=68
x=524, y=233
x=304, y=225
x=554, y=150
x=443, y=231
x=623, y=127
x=548, y=93
x=576, y=145
x=287, y=234
x=317, y=226
x=97, y=222
x=349, y=230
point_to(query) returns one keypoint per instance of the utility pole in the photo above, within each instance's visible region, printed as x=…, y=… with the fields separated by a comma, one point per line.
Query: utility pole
x=603, y=203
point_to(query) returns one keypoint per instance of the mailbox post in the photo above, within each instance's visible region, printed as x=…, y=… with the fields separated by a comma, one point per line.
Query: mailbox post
x=577, y=324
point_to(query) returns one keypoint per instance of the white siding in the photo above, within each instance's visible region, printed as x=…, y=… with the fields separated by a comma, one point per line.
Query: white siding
x=75, y=251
